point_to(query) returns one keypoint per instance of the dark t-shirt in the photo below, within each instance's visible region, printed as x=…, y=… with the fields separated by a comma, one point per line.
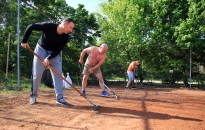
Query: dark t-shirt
x=50, y=40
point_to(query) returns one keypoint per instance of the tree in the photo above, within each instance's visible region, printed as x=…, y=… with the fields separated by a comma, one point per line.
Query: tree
x=162, y=33
x=121, y=27
x=40, y=11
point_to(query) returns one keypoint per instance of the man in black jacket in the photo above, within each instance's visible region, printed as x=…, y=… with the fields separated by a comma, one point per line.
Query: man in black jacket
x=53, y=39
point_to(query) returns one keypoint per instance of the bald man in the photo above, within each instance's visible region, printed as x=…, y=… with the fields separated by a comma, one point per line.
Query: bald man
x=96, y=57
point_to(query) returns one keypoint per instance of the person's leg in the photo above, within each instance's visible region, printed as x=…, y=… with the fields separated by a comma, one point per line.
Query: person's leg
x=57, y=81
x=98, y=74
x=84, y=83
x=37, y=72
x=130, y=78
x=86, y=74
x=100, y=77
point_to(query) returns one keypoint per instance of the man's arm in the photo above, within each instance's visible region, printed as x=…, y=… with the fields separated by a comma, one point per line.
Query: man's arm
x=29, y=29
x=58, y=49
x=27, y=33
x=99, y=64
x=87, y=50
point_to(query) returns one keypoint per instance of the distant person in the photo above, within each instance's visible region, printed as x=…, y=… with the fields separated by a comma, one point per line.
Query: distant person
x=95, y=59
x=53, y=39
x=131, y=72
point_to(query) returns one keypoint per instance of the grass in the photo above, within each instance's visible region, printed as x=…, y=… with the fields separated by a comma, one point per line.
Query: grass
x=10, y=85
x=114, y=78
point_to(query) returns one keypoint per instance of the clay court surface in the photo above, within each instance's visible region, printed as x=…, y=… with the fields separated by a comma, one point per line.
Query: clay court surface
x=141, y=109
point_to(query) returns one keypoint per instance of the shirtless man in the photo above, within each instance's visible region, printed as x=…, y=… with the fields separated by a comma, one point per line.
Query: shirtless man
x=130, y=72
x=95, y=59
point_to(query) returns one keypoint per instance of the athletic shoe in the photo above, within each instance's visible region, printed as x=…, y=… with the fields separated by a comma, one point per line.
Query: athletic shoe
x=32, y=100
x=105, y=93
x=62, y=101
x=83, y=92
x=134, y=87
x=126, y=88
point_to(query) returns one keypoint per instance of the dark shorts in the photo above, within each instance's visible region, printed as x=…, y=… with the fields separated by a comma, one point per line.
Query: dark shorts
x=85, y=70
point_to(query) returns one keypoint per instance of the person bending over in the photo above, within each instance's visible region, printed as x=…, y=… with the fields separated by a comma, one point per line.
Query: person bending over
x=95, y=59
x=53, y=39
x=130, y=72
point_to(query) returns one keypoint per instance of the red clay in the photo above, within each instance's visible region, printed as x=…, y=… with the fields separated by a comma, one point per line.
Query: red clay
x=141, y=109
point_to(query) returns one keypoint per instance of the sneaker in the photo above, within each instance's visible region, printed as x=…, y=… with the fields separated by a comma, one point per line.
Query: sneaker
x=32, y=100
x=83, y=92
x=105, y=93
x=126, y=88
x=62, y=101
x=134, y=87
